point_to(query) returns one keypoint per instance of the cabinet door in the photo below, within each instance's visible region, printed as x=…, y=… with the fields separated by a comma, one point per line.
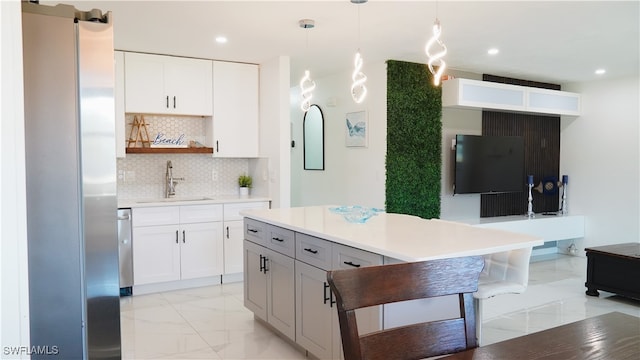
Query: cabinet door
x=255, y=281
x=188, y=83
x=118, y=93
x=235, y=109
x=232, y=240
x=281, y=293
x=156, y=254
x=314, y=314
x=201, y=250
x=144, y=84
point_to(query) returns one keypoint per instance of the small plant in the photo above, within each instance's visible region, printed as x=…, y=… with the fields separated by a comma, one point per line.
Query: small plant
x=245, y=181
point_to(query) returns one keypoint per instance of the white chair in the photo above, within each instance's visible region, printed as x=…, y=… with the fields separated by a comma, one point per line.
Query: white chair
x=504, y=273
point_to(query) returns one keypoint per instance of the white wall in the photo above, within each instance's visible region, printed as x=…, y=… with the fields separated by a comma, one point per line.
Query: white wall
x=14, y=285
x=600, y=152
x=352, y=176
x=458, y=121
x=275, y=130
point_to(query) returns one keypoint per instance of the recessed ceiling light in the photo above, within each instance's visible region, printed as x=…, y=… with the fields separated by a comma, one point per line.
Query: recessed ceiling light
x=600, y=71
x=493, y=51
x=221, y=39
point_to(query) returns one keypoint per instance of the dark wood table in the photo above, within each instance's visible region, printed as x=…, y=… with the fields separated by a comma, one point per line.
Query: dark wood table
x=613, y=336
x=614, y=268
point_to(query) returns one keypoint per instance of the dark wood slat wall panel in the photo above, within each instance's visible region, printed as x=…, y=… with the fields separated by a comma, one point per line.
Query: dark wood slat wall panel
x=529, y=83
x=541, y=135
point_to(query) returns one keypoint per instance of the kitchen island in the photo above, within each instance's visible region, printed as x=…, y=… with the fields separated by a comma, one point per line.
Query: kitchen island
x=396, y=236
x=288, y=251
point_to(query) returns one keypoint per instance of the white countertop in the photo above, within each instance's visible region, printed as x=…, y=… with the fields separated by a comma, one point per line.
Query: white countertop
x=403, y=237
x=188, y=200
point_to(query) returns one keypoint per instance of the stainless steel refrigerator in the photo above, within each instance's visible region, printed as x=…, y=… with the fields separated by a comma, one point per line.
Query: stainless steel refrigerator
x=74, y=307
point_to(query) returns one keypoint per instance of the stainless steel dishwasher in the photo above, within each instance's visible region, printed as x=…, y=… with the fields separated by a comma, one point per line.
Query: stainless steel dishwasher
x=126, y=252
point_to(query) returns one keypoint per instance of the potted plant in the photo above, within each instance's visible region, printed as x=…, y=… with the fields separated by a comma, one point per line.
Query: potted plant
x=244, y=181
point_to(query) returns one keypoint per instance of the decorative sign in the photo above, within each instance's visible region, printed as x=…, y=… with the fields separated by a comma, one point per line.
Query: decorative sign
x=161, y=140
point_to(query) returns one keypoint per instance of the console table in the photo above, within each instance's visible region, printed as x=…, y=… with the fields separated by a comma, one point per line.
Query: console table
x=614, y=268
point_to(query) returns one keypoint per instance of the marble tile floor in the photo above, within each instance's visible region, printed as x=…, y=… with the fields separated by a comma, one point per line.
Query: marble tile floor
x=212, y=323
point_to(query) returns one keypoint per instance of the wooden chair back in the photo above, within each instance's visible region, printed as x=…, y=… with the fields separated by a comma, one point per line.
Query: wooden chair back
x=377, y=285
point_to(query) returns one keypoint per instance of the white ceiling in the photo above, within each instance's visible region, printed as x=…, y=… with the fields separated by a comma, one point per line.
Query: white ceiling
x=550, y=41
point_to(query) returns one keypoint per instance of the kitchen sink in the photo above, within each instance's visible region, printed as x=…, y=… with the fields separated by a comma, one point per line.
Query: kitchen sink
x=175, y=199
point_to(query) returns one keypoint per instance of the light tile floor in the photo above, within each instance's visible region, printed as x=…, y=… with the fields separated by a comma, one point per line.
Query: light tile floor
x=212, y=323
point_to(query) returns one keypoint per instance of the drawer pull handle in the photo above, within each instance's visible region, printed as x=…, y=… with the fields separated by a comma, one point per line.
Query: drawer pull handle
x=330, y=297
x=252, y=230
x=326, y=286
x=352, y=264
x=277, y=239
x=311, y=251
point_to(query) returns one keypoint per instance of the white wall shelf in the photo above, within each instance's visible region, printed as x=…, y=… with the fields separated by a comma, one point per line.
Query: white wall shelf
x=475, y=94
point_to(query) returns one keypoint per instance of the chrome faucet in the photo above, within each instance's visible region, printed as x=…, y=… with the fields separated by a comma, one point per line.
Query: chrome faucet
x=169, y=181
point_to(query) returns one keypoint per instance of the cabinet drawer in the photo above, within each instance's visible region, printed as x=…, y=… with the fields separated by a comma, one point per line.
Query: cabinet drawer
x=313, y=251
x=232, y=211
x=200, y=213
x=161, y=215
x=255, y=231
x=281, y=240
x=346, y=257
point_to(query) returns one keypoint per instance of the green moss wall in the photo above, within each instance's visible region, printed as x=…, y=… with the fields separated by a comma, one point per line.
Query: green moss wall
x=414, y=132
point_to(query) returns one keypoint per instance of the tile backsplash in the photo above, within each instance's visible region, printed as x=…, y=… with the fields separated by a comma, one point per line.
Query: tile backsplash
x=142, y=176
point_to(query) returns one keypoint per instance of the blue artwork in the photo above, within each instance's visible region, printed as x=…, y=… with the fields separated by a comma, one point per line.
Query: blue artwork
x=356, y=134
x=357, y=129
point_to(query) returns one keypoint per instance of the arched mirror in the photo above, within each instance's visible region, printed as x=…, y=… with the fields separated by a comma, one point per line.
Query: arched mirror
x=313, y=138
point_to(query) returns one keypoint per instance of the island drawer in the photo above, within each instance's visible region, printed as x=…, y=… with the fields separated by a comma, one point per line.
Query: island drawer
x=313, y=251
x=280, y=240
x=346, y=257
x=255, y=231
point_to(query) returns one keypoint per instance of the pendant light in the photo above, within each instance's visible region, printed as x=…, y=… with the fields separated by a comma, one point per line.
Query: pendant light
x=358, y=89
x=307, y=85
x=436, y=58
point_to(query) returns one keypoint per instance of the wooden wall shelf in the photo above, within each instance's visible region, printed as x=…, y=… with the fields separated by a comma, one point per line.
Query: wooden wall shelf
x=194, y=150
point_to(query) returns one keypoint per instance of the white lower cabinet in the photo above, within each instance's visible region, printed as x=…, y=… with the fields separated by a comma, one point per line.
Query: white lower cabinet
x=156, y=253
x=233, y=234
x=269, y=287
x=176, y=243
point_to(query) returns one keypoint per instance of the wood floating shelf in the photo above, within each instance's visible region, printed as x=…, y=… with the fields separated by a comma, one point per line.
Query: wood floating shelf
x=156, y=150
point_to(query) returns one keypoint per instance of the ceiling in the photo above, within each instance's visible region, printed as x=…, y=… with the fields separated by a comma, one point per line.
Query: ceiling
x=550, y=41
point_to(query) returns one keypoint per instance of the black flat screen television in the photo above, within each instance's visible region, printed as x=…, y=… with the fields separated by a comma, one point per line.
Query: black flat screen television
x=489, y=164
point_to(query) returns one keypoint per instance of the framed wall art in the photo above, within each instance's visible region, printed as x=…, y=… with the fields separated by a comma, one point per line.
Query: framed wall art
x=356, y=129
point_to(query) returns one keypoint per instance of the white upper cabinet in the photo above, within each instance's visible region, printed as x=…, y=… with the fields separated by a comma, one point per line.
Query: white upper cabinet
x=119, y=103
x=466, y=93
x=158, y=84
x=234, y=129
